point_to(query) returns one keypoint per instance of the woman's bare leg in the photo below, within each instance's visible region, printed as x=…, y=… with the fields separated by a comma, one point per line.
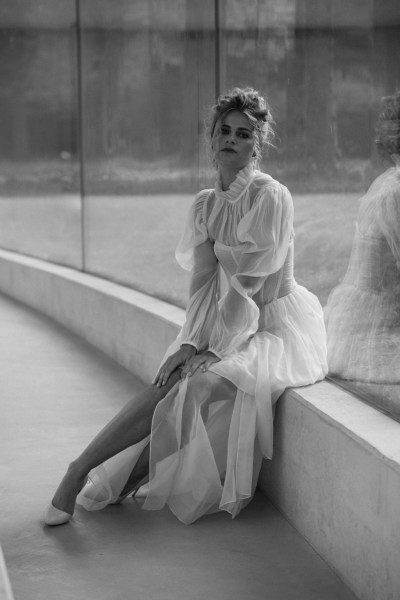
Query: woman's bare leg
x=128, y=427
x=212, y=389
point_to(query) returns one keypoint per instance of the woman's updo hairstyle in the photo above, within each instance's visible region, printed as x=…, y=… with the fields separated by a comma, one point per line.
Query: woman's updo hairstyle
x=388, y=126
x=255, y=107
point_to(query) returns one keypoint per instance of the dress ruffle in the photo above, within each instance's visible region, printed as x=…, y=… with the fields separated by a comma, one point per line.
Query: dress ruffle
x=237, y=189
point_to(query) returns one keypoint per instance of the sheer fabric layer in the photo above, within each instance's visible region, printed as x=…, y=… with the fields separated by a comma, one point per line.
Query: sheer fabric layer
x=363, y=313
x=211, y=431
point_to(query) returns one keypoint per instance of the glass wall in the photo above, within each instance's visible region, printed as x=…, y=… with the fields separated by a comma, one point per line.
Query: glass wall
x=40, y=200
x=324, y=65
x=103, y=108
x=147, y=80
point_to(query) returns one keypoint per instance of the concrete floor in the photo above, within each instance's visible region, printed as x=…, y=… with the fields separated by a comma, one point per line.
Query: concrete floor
x=56, y=393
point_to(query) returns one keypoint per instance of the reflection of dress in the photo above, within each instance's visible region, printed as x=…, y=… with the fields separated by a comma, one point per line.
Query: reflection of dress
x=208, y=435
x=363, y=312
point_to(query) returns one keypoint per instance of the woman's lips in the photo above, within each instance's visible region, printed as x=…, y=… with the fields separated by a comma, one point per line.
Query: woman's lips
x=228, y=150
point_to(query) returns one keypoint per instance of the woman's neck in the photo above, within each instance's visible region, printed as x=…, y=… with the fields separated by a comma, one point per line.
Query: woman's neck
x=228, y=176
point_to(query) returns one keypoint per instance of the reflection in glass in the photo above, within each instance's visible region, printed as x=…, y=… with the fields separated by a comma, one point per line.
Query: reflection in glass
x=148, y=77
x=363, y=313
x=39, y=175
x=324, y=65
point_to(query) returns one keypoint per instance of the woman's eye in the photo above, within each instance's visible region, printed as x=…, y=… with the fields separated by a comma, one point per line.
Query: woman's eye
x=244, y=135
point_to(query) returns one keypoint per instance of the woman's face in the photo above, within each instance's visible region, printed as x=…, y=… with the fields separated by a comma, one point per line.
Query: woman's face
x=233, y=141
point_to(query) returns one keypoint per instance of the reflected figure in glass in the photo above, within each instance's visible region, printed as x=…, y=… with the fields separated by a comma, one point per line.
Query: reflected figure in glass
x=198, y=434
x=363, y=312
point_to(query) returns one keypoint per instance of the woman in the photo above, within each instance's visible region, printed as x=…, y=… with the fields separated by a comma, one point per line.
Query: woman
x=200, y=431
x=363, y=312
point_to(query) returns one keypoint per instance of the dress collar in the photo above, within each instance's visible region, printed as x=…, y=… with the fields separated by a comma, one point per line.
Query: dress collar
x=238, y=186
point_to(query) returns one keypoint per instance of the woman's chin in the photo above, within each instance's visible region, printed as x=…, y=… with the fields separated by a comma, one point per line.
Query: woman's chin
x=229, y=160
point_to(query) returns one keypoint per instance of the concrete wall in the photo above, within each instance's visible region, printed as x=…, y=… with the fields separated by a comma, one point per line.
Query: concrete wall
x=336, y=467
x=335, y=475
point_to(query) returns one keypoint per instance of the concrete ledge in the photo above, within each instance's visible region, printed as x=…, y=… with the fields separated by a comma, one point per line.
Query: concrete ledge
x=336, y=468
x=335, y=475
x=130, y=327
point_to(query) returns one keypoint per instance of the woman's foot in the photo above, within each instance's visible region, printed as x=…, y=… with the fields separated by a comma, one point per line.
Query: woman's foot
x=62, y=506
x=53, y=516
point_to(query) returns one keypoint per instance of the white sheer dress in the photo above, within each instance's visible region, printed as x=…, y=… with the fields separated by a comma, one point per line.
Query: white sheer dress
x=211, y=431
x=363, y=312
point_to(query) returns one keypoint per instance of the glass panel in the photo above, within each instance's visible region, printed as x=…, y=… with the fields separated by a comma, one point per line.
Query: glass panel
x=325, y=65
x=147, y=77
x=39, y=174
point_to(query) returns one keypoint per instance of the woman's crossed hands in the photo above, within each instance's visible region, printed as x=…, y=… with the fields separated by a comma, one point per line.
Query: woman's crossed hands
x=179, y=358
x=202, y=361
x=186, y=358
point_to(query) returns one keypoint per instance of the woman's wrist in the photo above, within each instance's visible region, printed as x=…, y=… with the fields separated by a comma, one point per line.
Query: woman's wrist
x=189, y=348
x=213, y=353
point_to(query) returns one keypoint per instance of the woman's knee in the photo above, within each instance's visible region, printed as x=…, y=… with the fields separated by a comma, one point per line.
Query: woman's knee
x=152, y=394
x=201, y=383
x=206, y=388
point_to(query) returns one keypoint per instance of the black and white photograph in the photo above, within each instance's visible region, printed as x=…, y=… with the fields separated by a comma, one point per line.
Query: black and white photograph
x=200, y=299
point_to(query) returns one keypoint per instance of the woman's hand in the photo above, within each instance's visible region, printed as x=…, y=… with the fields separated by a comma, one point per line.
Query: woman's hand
x=201, y=361
x=179, y=358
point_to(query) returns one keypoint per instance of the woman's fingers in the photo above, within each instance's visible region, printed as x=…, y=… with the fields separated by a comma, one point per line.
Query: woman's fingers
x=158, y=378
x=189, y=367
x=186, y=369
x=209, y=362
x=164, y=373
x=171, y=364
x=192, y=365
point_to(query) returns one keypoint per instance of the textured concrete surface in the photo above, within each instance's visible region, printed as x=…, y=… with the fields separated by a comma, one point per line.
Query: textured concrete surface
x=131, y=327
x=336, y=476
x=5, y=585
x=56, y=393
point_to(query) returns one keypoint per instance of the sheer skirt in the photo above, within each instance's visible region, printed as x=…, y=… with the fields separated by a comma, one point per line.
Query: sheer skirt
x=211, y=431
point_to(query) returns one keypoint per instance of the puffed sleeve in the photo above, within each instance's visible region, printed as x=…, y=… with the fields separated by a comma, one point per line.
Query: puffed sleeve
x=265, y=233
x=195, y=253
x=194, y=231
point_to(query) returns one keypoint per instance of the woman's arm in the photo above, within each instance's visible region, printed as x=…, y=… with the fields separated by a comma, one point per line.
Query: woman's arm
x=265, y=233
x=195, y=252
x=201, y=309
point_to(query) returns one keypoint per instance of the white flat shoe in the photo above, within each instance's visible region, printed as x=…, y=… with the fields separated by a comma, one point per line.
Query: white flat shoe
x=55, y=516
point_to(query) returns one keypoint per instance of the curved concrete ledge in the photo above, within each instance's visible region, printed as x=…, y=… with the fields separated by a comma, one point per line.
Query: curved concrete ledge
x=335, y=475
x=132, y=328
x=336, y=468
